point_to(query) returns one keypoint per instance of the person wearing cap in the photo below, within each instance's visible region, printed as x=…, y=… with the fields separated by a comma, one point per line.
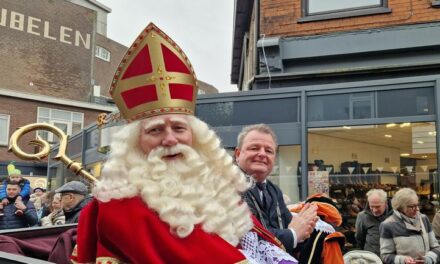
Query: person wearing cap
x=14, y=174
x=38, y=198
x=74, y=197
x=38, y=191
x=168, y=193
x=17, y=213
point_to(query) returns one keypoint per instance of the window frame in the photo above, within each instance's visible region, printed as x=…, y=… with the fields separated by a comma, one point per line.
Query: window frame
x=102, y=53
x=8, y=123
x=382, y=8
x=52, y=120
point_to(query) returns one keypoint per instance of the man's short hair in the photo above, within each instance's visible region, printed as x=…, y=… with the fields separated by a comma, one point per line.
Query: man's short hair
x=262, y=128
x=379, y=193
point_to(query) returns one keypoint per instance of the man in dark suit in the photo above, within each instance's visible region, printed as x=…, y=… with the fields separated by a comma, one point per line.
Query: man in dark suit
x=255, y=155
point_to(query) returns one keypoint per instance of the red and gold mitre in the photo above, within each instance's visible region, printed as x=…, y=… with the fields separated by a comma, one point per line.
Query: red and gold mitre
x=155, y=77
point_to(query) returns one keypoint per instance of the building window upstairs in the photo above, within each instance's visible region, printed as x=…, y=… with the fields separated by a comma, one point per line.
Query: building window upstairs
x=4, y=129
x=102, y=53
x=314, y=10
x=69, y=122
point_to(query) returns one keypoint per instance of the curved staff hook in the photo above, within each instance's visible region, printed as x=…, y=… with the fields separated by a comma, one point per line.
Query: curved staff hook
x=45, y=148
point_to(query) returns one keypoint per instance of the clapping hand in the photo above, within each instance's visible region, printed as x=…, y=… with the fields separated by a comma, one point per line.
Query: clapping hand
x=304, y=222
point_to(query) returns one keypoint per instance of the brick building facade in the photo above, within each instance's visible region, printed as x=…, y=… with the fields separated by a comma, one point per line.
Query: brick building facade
x=286, y=18
x=51, y=70
x=299, y=35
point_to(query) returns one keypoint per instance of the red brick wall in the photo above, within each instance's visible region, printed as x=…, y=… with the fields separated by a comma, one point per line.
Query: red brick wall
x=280, y=18
x=104, y=70
x=23, y=112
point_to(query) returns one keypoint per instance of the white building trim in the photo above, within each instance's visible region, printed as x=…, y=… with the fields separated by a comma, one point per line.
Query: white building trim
x=58, y=101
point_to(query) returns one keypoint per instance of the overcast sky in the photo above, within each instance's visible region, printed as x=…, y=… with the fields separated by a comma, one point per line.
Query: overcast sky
x=202, y=28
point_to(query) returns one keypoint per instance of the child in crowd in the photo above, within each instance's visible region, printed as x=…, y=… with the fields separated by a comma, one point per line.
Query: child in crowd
x=14, y=175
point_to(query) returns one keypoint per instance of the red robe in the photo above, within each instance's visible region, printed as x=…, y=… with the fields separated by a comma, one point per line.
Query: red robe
x=127, y=230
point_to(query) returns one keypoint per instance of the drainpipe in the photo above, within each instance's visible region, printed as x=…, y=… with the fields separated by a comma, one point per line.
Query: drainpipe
x=257, y=37
x=437, y=129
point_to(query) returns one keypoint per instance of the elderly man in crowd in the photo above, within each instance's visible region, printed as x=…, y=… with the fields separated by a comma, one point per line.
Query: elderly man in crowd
x=74, y=197
x=368, y=221
x=406, y=236
x=255, y=155
x=18, y=213
x=168, y=192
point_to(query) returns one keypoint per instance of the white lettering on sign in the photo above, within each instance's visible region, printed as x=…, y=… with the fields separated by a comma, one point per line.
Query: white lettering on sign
x=17, y=21
x=64, y=35
x=32, y=23
x=38, y=27
x=78, y=37
x=3, y=17
x=46, y=31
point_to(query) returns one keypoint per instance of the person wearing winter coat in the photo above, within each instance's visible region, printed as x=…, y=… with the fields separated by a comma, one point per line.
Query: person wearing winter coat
x=17, y=213
x=74, y=197
x=368, y=221
x=56, y=217
x=406, y=236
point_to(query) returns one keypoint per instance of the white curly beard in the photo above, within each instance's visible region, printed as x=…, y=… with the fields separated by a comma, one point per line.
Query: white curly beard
x=184, y=192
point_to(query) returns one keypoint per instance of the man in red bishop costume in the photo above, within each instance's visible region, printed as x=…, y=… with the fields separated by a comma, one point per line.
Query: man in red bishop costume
x=169, y=193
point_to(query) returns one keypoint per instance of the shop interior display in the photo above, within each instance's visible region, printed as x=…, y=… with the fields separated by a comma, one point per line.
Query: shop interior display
x=349, y=186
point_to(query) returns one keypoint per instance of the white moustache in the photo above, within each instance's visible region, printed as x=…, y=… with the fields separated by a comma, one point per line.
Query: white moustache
x=161, y=152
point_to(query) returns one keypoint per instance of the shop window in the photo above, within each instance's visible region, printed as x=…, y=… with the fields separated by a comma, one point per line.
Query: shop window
x=328, y=107
x=69, y=122
x=331, y=9
x=215, y=114
x=102, y=53
x=361, y=105
x=279, y=110
x=408, y=102
x=346, y=162
x=340, y=107
x=4, y=129
x=285, y=174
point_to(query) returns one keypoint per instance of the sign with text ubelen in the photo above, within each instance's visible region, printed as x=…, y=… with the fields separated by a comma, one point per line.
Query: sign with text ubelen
x=47, y=46
x=318, y=182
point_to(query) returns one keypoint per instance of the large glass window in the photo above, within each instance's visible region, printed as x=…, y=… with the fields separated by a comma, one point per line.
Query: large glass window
x=407, y=102
x=285, y=173
x=346, y=162
x=69, y=122
x=4, y=129
x=269, y=111
x=340, y=107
